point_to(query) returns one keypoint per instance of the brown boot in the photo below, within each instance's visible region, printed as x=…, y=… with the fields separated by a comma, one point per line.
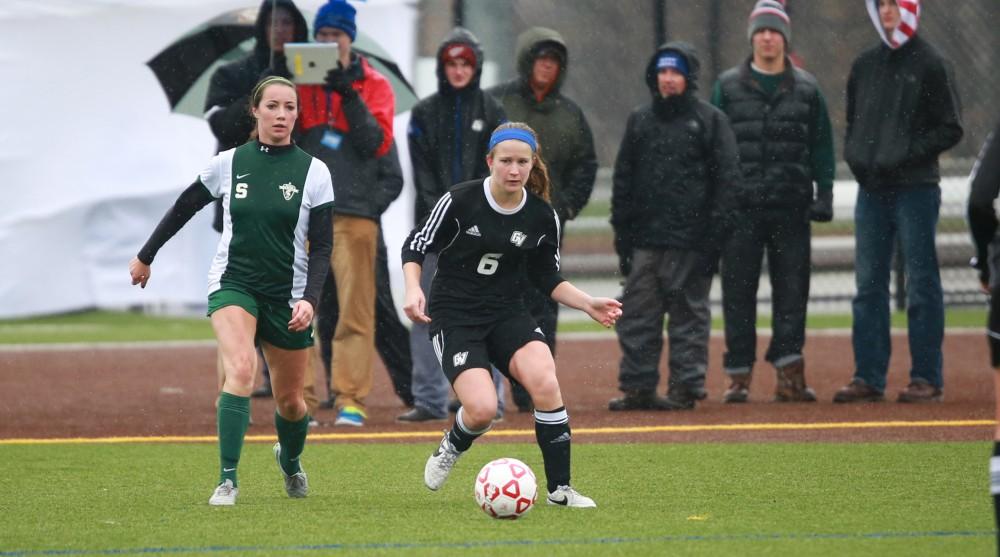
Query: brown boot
x=792, y=383
x=739, y=388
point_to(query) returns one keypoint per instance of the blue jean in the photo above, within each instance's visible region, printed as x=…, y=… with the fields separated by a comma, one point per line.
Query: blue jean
x=911, y=212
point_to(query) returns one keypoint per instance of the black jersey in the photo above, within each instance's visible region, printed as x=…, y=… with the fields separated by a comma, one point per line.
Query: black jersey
x=485, y=252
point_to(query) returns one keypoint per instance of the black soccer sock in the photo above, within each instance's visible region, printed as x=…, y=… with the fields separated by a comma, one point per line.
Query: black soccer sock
x=461, y=435
x=553, y=436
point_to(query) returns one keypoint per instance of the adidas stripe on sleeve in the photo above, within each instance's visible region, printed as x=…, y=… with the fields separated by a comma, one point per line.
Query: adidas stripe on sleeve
x=429, y=234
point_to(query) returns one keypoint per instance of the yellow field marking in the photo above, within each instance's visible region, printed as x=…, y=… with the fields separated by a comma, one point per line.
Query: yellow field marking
x=371, y=436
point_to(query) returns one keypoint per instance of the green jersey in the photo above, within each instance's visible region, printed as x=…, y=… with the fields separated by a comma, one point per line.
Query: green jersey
x=267, y=193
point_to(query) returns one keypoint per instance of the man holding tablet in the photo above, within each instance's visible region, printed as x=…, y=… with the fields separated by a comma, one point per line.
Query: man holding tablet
x=347, y=123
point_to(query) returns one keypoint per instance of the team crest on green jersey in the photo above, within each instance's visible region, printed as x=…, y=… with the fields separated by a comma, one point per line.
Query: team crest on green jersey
x=288, y=190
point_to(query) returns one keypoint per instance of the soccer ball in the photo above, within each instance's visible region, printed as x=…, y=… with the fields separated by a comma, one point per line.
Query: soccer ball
x=506, y=488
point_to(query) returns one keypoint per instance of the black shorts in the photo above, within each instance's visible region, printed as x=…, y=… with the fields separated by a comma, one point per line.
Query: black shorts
x=462, y=348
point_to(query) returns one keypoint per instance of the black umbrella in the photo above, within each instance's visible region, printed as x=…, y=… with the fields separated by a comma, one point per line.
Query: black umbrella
x=185, y=67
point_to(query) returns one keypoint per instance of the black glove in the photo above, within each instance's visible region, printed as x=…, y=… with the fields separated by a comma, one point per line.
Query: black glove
x=338, y=81
x=822, y=207
x=278, y=67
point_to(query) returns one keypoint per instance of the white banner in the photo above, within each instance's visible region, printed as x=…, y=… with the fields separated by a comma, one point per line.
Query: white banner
x=91, y=156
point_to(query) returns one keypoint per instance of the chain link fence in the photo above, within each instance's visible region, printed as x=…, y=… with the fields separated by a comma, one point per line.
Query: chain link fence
x=610, y=42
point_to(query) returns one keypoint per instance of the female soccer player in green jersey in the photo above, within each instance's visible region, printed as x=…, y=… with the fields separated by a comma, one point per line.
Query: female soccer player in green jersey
x=263, y=284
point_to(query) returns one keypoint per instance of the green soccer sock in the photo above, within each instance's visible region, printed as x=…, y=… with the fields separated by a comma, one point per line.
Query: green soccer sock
x=233, y=419
x=292, y=436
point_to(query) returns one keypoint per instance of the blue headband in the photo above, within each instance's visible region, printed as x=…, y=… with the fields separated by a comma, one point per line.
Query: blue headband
x=513, y=133
x=672, y=60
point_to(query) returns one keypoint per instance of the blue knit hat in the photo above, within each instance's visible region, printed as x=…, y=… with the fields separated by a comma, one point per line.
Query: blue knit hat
x=339, y=15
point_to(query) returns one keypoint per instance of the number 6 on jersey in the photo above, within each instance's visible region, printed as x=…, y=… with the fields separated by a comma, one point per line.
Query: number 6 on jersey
x=489, y=263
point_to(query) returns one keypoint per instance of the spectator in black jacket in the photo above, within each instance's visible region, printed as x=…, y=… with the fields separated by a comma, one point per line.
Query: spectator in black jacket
x=902, y=113
x=675, y=171
x=535, y=98
x=983, y=223
x=448, y=137
x=228, y=101
x=785, y=140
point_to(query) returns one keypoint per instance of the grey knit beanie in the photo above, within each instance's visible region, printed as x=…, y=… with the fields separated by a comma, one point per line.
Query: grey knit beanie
x=770, y=14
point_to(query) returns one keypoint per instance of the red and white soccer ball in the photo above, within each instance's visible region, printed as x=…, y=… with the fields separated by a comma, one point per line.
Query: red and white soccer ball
x=506, y=488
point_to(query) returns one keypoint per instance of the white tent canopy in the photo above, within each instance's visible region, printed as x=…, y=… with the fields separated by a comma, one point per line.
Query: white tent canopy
x=91, y=156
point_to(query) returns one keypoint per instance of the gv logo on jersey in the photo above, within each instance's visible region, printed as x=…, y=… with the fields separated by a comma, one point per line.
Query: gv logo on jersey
x=460, y=358
x=518, y=238
x=288, y=190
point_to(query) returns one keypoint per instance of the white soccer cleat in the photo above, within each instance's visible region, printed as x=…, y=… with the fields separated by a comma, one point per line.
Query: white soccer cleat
x=296, y=485
x=566, y=496
x=439, y=464
x=225, y=495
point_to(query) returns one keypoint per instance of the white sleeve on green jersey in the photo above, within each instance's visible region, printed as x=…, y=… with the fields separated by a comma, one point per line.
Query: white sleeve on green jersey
x=319, y=185
x=217, y=176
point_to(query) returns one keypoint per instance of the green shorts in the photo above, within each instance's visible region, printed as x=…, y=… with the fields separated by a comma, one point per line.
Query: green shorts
x=272, y=317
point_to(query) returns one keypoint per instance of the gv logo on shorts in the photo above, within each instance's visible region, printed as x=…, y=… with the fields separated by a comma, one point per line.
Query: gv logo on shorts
x=460, y=358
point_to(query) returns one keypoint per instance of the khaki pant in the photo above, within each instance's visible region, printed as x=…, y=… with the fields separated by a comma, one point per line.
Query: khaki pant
x=353, y=263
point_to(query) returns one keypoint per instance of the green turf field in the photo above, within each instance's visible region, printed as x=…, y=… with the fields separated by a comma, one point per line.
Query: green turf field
x=653, y=499
x=110, y=326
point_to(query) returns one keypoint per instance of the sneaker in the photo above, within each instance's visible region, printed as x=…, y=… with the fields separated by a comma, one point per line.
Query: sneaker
x=351, y=415
x=566, y=496
x=419, y=414
x=225, y=495
x=638, y=400
x=858, y=391
x=918, y=391
x=440, y=463
x=296, y=485
x=792, y=384
x=739, y=388
x=264, y=391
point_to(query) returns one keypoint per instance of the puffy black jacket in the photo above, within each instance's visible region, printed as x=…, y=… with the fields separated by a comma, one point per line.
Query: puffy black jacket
x=902, y=112
x=675, y=170
x=566, y=142
x=773, y=134
x=449, y=131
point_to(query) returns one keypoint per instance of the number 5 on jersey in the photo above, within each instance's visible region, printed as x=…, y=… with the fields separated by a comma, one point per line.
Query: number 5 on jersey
x=241, y=191
x=489, y=263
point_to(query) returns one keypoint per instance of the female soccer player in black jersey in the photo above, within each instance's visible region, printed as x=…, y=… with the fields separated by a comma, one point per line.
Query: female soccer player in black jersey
x=263, y=284
x=491, y=235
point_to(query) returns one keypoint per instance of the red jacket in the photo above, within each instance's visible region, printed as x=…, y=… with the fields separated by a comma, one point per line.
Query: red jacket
x=322, y=108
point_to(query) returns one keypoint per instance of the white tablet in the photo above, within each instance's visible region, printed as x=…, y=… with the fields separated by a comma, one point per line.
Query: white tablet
x=310, y=62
